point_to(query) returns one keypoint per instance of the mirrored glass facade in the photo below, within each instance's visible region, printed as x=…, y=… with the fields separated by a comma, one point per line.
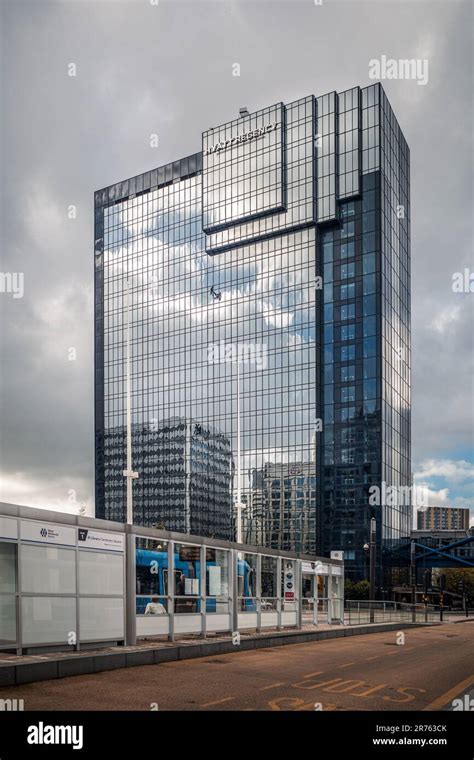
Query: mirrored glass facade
x=272, y=267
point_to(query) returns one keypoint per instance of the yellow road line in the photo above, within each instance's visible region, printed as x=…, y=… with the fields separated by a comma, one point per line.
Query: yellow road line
x=273, y=686
x=443, y=699
x=217, y=702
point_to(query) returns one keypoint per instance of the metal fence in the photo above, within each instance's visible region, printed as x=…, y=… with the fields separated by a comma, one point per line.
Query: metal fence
x=363, y=611
x=323, y=610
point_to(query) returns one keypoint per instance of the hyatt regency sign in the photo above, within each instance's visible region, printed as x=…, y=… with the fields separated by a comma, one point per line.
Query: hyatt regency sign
x=246, y=137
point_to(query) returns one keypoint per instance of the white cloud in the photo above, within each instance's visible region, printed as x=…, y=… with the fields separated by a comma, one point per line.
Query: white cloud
x=434, y=498
x=277, y=318
x=456, y=471
x=44, y=218
x=456, y=487
x=64, y=494
x=446, y=317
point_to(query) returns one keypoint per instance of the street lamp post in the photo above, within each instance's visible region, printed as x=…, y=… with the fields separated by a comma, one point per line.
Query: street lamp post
x=413, y=579
x=372, y=558
x=370, y=550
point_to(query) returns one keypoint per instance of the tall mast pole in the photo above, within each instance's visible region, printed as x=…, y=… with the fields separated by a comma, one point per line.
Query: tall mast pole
x=239, y=463
x=128, y=473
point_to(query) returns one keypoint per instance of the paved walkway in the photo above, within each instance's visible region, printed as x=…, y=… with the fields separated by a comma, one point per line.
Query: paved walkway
x=16, y=669
x=432, y=667
x=156, y=642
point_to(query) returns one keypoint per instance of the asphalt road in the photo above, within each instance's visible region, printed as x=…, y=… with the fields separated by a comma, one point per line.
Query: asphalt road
x=371, y=672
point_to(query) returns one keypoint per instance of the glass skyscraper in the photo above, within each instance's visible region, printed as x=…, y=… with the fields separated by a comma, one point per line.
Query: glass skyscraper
x=271, y=272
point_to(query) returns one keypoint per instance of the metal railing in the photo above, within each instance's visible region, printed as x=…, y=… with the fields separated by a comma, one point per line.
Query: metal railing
x=322, y=610
x=360, y=612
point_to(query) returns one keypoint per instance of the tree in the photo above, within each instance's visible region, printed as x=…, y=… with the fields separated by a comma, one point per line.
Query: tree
x=358, y=590
x=455, y=578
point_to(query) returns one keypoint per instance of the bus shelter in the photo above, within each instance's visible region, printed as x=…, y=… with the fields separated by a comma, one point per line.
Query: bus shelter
x=70, y=582
x=194, y=585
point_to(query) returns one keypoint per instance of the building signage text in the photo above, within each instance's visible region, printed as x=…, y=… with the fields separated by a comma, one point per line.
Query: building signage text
x=246, y=137
x=100, y=540
x=47, y=533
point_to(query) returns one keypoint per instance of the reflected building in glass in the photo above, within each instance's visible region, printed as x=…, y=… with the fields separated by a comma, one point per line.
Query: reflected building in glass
x=273, y=265
x=186, y=476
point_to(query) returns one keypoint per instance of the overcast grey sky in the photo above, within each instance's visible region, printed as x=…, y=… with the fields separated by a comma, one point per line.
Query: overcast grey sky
x=166, y=67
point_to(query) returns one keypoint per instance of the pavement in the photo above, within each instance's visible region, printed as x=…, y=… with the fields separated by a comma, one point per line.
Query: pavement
x=428, y=671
